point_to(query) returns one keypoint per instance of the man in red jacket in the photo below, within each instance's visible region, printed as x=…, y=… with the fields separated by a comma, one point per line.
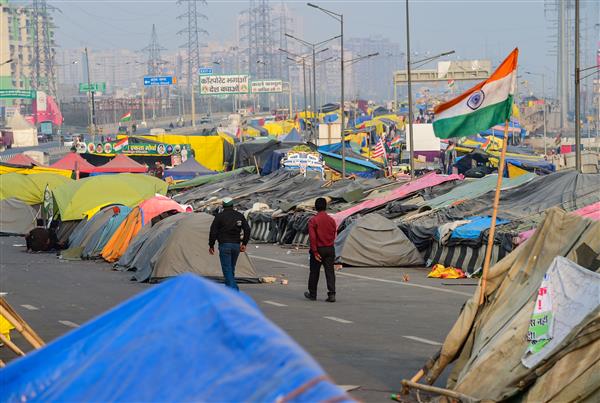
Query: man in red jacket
x=322, y=231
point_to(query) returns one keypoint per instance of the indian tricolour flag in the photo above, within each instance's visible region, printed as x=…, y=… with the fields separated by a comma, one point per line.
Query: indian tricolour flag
x=126, y=117
x=120, y=144
x=487, y=104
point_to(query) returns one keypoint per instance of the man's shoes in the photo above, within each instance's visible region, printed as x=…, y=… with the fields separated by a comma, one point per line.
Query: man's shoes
x=308, y=296
x=331, y=298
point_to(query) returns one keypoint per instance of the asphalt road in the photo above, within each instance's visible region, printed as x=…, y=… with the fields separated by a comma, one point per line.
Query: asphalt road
x=381, y=330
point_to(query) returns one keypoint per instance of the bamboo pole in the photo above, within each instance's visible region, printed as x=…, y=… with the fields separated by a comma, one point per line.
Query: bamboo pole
x=11, y=345
x=440, y=391
x=490, y=244
x=20, y=325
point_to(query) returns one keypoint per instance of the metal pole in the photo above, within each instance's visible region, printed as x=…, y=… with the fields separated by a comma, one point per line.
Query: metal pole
x=143, y=105
x=193, y=105
x=304, y=82
x=544, y=99
x=91, y=107
x=577, y=93
x=314, y=108
x=342, y=93
x=395, y=94
x=290, y=100
x=410, y=111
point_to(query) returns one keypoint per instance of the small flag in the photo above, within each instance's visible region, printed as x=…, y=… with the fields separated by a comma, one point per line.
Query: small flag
x=485, y=105
x=450, y=83
x=396, y=141
x=379, y=150
x=126, y=117
x=488, y=143
x=120, y=144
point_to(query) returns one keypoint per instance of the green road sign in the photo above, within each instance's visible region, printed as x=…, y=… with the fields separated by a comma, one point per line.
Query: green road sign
x=92, y=87
x=15, y=93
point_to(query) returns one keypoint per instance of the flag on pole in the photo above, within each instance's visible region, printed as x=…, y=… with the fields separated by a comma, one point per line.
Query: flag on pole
x=396, y=141
x=379, y=150
x=450, y=83
x=126, y=117
x=120, y=144
x=485, y=105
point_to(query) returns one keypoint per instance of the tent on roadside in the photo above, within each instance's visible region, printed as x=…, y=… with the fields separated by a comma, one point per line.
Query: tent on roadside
x=84, y=197
x=93, y=248
x=86, y=234
x=220, y=348
x=29, y=189
x=375, y=241
x=17, y=218
x=22, y=159
x=74, y=162
x=139, y=217
x=121, y=163
x=535, y=338
x=292, y=137
x=188, y=170
x=171, y=247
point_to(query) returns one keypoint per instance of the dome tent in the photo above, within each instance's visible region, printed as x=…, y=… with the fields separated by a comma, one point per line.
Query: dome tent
x=171, y=247
x=375, y=241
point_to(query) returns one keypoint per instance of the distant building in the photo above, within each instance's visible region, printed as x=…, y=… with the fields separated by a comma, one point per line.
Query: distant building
x=17, y=43
x=373, y=77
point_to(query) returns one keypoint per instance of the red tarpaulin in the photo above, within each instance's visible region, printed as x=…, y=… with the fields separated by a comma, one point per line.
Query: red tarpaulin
x=73, y=161
x=22, y=159
x=121, y=163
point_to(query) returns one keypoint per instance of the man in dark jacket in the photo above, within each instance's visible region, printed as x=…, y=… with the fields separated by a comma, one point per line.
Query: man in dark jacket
x=321, y=231
x=227, y=228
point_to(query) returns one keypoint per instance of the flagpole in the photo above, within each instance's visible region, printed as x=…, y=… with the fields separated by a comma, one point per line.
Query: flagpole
x=490, y=244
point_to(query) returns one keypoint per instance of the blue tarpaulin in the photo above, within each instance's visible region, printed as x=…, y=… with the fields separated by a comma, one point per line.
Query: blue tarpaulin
x=292, y=137
x=186, y=339
x=273, y=162
x=474, y=229
x=188, y=169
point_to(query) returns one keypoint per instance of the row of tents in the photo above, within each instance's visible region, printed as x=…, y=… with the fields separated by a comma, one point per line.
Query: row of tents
x=121, y=163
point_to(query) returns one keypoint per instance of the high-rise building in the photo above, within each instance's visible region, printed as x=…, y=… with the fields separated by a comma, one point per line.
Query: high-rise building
x=373, y=76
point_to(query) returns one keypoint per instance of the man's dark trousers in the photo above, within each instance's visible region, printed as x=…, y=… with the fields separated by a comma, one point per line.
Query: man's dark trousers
x=327, y=259
x=228, y=254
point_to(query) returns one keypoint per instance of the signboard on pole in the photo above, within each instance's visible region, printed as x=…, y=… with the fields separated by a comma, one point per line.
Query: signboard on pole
x=17, y=94
x=266, y=86
x=205, y=71
x=150, y=81
x=92, y=87
x=224, y=84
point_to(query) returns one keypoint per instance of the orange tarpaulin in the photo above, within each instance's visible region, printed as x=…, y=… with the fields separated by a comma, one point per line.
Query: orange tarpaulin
x=136, y=219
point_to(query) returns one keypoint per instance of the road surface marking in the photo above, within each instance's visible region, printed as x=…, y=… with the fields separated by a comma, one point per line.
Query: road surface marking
x=381, y=280
x=421, y=340
x=30, y=307
x=68, y=323
x=274, y=303
x=337, y=319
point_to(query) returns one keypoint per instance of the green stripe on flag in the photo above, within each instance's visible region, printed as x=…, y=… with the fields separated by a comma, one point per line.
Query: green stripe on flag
x=474, y=122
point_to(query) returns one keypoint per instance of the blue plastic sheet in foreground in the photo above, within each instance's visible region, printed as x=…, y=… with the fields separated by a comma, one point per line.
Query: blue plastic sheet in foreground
x=186, y=339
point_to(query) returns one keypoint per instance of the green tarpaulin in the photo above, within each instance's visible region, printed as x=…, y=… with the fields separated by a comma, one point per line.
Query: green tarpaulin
x=85, y=197
x=203, y=180
x=29, y=188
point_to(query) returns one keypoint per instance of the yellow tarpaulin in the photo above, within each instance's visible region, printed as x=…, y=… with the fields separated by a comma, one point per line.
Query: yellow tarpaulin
x=208, y=150
x=7, y=169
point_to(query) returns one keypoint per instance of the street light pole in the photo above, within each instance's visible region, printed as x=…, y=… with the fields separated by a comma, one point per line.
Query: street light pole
x=93, y=107
x=410, y=109
x=577, y=93
x=340, y=18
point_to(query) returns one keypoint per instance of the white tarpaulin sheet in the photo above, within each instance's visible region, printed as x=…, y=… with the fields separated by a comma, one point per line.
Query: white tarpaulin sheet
x=568, y=293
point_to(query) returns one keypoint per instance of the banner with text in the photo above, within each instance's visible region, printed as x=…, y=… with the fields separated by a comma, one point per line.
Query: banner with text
x=262, y=86
x=224, y=84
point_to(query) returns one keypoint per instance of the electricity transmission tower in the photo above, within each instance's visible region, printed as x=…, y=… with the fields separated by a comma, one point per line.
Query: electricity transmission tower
x=43, y=53
x=193, y=32
x=155, y=66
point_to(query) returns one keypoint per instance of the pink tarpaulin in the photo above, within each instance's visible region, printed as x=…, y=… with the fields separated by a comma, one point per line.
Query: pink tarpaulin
x=158, y=205
x=426, y=181
x=592, y=212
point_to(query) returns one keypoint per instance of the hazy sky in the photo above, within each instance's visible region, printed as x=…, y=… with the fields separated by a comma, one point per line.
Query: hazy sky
x=474, y=29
